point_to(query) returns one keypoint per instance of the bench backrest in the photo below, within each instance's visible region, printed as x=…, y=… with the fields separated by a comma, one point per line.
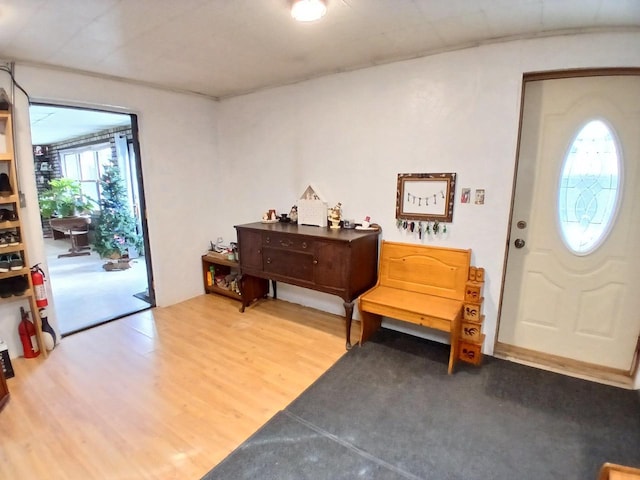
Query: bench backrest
x=424, y=269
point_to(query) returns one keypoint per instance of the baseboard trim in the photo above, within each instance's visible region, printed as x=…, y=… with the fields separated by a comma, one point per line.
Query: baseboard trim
x=565, y=366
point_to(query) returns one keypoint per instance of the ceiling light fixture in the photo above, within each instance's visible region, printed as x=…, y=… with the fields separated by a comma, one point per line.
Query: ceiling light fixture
x=308, y=10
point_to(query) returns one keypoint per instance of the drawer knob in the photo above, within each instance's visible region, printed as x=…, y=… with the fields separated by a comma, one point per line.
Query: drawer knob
x=315, y=262
x=304, y=244
x=268, y=260
x=267, y=239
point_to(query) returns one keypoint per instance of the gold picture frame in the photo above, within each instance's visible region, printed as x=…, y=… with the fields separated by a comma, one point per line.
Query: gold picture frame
x=426, y=196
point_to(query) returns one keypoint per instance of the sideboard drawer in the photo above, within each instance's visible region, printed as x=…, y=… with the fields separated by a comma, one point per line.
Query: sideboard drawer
x=287, y=241
x=288, y=263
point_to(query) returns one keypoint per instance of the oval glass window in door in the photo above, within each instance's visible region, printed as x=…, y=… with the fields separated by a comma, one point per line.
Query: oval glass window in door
x=589, y=188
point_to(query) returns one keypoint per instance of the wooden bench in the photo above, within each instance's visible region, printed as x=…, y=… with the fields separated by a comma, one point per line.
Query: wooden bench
x=612, y=471
x=419, y=284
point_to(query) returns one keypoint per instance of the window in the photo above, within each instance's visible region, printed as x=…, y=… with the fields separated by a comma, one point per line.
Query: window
x=87, y=165
x=589, y=188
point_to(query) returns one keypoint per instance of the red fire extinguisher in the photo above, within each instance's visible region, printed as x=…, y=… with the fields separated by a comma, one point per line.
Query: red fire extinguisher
x=28, y=336
x=37, y=278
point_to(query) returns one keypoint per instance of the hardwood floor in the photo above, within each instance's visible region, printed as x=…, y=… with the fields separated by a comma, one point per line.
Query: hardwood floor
x=162, y=394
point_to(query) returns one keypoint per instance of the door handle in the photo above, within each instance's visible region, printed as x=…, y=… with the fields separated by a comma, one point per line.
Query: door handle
x=519, y=243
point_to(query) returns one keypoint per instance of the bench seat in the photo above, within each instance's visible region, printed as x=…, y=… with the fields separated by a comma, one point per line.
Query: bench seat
x=419, y=308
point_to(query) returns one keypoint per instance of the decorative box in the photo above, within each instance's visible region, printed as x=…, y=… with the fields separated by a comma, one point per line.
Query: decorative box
x=312, y=209
x=473, y=292
x=471, y=331
x=471, y=352
x=472, y=311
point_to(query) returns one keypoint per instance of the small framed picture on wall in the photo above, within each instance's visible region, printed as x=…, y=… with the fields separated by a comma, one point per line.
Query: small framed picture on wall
x=465, y=197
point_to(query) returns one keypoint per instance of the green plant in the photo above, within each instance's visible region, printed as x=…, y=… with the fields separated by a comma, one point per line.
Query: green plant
x=64, y=198
x=116, y=228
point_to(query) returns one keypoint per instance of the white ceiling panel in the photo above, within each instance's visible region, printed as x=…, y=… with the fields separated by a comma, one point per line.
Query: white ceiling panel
x=222, y=48
x=51, y=124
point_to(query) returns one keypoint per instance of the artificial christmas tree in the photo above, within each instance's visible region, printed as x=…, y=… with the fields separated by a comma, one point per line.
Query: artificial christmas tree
x=116, y=229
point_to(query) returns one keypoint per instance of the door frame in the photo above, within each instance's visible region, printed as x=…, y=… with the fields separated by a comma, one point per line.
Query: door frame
x=135, y=142
x=143, y=208
x=502, y=350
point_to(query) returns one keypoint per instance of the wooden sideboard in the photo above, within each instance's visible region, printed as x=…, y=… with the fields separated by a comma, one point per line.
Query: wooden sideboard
x=336, y=261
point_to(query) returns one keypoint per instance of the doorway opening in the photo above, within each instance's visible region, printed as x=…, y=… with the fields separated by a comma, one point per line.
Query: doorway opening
x=97, y=254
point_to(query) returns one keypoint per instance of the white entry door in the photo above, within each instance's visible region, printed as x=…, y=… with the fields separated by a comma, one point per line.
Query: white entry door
x=572, y=284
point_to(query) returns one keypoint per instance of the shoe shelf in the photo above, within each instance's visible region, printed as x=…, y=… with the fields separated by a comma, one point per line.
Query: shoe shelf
x=15, y=297
x=14, y=273
x=15, y=285
x=8, y=200
x=11, y=248
x=9, y=226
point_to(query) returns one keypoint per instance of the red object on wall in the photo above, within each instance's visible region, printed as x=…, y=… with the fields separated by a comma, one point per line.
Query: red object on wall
x=28, y=338
x=37, y=278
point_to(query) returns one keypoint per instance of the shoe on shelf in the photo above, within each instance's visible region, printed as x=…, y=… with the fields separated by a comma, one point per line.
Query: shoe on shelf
x=6, y=287
x=15, y=262
x=4, y=241
x=4, y=264
x=19, y=285
x=12, y=239
x=5, y=185
x=7, y=215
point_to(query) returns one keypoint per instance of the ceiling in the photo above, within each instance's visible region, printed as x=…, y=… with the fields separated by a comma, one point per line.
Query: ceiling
x=223, y=48
x=51, y=124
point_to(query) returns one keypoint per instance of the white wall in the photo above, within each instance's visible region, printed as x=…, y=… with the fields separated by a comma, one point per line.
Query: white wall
x=178, y=149
x=351, y=134
x=208, y=166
